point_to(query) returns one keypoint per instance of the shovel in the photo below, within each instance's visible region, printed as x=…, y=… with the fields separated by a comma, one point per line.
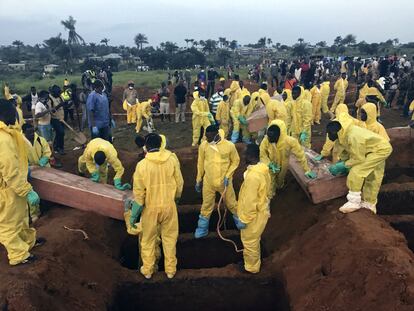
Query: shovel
x=80, y=138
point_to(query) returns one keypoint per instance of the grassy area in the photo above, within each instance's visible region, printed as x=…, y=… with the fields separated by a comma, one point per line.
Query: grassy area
x=152, y=79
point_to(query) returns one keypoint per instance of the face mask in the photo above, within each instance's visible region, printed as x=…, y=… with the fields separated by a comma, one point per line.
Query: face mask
x=130, y=87
x=333, y=136
x=202, y=97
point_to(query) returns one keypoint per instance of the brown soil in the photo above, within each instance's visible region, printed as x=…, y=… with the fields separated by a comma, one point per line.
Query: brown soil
x=314, y=258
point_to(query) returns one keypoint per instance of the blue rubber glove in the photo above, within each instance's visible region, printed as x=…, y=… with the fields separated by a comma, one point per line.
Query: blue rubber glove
x=318, y=158
x=33, y=198
x=242, y=120
x=95, y=176
x=43, y=161
x=198, y=187
x=226, y=181
x=136, y=211
x=339, y=168
x=240, y=225
x=95, y=131
x=274, y=167
x=303, y=137
x=118, y=185
x=311, y=175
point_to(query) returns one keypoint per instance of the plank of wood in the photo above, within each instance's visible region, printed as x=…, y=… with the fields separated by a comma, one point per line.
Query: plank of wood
x=78, y=192
x=326, y=187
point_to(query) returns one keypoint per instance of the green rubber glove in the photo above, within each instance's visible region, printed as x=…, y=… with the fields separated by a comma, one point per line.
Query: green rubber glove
x=43, y=161
x=211, y=118
x=311, y=175
x=318, y=158
x=242, y=120
x=339, y=168
x=136, y=210
x=33, y=198
x=118, y=185
x=303, y=137
x=95, y=176
x=274, y=167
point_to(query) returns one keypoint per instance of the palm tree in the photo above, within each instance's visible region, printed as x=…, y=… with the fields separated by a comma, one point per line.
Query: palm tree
x=73, y=37
x=349, y=39
x=269, y=41
x=233, y=45
x=338, y=40
x=195, y=43
x=93, y=47
x=140, y=39
x=17, y=43
x=321, y=44
x=105, y=41
x=301, y=40
x=396, y=41
x=222, y=41
x=187, y=41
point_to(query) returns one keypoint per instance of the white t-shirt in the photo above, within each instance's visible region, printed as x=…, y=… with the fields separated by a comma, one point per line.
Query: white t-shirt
x=35, y=99
x=40, y=107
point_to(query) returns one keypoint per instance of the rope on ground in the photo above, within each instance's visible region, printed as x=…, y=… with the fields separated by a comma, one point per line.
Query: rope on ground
x=222, y=221
x=85, y=235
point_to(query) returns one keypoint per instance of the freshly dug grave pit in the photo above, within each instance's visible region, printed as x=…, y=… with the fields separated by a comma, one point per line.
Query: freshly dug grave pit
x=314, y=258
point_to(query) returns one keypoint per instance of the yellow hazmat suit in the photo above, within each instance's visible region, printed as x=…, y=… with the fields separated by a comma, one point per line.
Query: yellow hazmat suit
x=215, y=162
x=367, y=153
x=334, y=146
x=340, y=88
x=235, y=112
x=253, y=211
x=302, y=118
x=235, y=92
x=86, y=161
x=368, y=91
x=279, y=154
x=15, y=234
x=200, y=110
x=264, y=96
x=246, y=111
x=371, y=123
x=316, y=104
x=244, y=92
x=277, y=110
x=130, y=104
x=307, y=95
x=288, y=105
x=325, y=90
x=40, y=148
x=143, y=112
x=157, y=184
x=223, y=116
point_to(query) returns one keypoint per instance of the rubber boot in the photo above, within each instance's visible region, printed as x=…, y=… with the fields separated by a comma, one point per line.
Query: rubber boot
x=234, y=137
x=202, y=227
x=370, y=206
x=238, y=223
x=246, y=140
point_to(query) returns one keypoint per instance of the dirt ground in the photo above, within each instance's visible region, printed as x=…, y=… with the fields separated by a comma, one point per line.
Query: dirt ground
x=314, y=258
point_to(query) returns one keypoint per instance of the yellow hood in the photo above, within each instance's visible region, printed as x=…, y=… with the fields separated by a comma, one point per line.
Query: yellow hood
x=234, y=86
x=253, y=98
x=159, y=156
x=260, y=168
x=371, y=111
x=283, y=131
x=227, y=92
x=341, y=108
x=288, y=93
x=163, y=142
x=345, y=122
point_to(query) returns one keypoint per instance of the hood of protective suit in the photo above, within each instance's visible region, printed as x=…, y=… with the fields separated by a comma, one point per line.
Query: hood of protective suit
x=283, y=132
x=260, y=168
x=227, y=92
x=253, y=98
x=301, y=96
x=288, y=93
x=163, y=142
x=234, y=86
x=341, y=108
x=160, y=156
x=345, y=122
x=371, y=111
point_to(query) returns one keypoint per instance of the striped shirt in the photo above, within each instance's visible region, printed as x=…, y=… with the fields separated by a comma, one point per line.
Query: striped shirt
x=214, y=101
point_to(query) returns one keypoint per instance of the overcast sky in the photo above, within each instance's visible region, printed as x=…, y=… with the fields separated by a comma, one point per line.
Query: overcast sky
x=32, y=21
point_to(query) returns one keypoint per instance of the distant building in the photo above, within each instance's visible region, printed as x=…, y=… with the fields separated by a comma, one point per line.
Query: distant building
x=17, y=67
x=113, y=56
x=50, y=68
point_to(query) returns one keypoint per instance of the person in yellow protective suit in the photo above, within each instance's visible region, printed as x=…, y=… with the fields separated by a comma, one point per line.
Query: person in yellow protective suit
x=17, y=100
x=316, y=103
x=143, y=112
x=223, y=113
x=287, y=101
x=264, y=94
x=158, y=184
x=237, y=116
x=301, y=117
x=276, y=110
x=334, y=147
x=253, y=207
x=246, y=111
x=340, y=88
x=202, y=117
x=95, y=159
x=15, y=191
x=217, y=161
x=275, y=150
x=130, y=102
x=235, y=92
x=307, y=95
x=369, y=90
x=325, y=91
x=38, y=153
x=411, y=113
x=367, y=153
x=369, y=116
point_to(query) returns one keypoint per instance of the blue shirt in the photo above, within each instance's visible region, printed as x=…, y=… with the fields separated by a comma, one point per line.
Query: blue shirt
x=98, y=106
